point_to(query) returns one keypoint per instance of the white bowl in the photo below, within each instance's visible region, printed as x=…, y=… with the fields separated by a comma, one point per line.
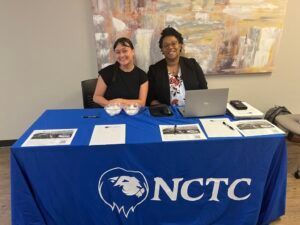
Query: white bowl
x=113, y=109
x=132, y=109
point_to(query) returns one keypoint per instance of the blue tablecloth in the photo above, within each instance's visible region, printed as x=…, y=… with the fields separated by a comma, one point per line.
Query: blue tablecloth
x=145, y=181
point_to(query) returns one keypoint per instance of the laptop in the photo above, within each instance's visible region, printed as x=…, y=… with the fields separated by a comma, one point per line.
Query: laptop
x=206, y=102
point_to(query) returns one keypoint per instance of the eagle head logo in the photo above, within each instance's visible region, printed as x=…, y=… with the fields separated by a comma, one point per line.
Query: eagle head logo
x=123, y=189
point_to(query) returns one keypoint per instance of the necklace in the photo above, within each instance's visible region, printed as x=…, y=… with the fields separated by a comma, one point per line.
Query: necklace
x=173, y=70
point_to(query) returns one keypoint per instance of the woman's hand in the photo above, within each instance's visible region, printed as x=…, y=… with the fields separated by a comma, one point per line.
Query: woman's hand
x=117, y=101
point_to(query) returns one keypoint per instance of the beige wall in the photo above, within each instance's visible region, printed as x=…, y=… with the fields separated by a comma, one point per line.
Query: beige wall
x=47, y=48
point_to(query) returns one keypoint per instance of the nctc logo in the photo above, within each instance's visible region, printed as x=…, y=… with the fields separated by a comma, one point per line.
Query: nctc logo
x=126, y=189
x=123, y=189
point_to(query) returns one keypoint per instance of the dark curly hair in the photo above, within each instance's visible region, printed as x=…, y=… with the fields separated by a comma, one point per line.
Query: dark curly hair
x=124, y=42
x=170, y=31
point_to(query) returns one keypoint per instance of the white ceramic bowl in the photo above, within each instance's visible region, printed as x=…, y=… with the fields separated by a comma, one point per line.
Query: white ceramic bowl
x=132, y=109
x=113, y=109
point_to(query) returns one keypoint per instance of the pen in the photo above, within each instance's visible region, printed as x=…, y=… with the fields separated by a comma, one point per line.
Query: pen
x=175, y=129
x=226, y=124
x=90, y=116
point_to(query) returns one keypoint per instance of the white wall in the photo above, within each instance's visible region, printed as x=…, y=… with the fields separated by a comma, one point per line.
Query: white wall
x=47, y=48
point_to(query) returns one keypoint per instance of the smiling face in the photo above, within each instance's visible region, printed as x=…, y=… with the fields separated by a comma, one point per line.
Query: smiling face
x=124, y=55
x=171, y=48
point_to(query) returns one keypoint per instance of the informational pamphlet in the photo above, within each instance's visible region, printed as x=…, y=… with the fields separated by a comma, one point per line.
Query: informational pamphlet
x=219, y=127
x=50, y=137
x=256, y=127
x=108, y=134
x=186, y=132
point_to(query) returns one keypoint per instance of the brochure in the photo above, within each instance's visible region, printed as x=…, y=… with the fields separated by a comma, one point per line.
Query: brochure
x=50, y=137
x=256, y=127
x=186, y=132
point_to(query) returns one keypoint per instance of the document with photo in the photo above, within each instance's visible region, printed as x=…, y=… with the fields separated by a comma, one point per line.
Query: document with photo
x=50, y=137
x=108, y=134
x=186, y=132
x=219, y=127
x=256, y=127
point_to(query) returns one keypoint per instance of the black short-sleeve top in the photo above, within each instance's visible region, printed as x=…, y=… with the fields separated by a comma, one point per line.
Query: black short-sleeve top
x=122, y=84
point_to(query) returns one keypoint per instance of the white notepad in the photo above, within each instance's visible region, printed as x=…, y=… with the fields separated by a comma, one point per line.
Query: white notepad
x=108, y=134
x=219, y=127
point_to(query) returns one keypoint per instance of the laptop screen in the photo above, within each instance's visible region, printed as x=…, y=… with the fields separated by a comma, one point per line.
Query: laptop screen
x=206, y=102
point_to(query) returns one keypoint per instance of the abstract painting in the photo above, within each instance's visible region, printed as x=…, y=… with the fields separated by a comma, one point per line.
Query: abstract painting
x=224, y=36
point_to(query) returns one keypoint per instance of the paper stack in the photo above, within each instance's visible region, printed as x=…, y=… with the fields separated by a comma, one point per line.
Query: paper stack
x=248, y=113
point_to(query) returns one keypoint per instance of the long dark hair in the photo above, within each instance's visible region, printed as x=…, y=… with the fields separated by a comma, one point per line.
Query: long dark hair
x=124, y=42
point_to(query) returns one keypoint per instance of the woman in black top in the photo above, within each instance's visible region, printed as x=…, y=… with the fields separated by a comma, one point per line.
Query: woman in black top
x=122, y=82
x=170, y=77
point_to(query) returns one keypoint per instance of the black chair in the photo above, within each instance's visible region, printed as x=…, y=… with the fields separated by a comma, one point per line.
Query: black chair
x=88, y=89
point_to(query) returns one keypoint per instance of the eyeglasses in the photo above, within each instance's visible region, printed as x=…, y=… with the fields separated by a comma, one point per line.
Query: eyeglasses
x=171, y=44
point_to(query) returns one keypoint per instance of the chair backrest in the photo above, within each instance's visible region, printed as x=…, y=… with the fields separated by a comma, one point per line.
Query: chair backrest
x=88, y=89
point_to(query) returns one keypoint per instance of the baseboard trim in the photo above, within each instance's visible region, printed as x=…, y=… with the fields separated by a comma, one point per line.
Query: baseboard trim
x=5, y=143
